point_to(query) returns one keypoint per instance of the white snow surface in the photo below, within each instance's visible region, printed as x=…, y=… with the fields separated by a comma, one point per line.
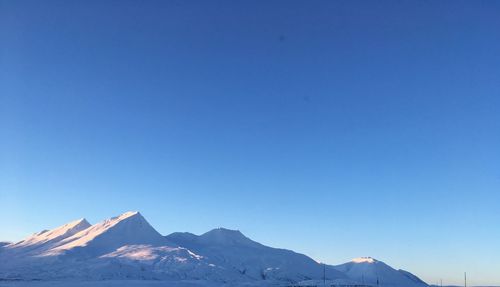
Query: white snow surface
x=363, y=260
x=128, y=249
x=135, y=283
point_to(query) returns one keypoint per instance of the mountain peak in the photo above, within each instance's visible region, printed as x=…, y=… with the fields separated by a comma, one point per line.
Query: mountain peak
x=368, y=260
x=81, y=221
x=224, y=236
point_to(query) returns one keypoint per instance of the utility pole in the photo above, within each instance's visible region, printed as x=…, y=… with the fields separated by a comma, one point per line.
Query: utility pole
x=465, y=279
x=324, y=274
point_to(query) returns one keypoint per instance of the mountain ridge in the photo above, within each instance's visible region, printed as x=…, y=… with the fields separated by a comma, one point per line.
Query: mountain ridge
x=127, y=246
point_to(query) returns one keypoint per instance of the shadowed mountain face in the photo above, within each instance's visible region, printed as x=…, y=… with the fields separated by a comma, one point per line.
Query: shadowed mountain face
x=216, y=237
x=128, y=247
x=233, y=250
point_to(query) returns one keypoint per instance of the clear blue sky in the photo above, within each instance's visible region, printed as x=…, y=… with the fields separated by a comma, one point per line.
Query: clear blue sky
x=334, y=128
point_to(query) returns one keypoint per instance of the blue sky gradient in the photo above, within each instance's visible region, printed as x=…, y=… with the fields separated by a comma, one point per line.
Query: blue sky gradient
x=334, y=128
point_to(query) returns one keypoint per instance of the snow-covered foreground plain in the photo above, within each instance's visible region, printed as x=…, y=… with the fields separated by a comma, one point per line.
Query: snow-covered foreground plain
x=130, y=283
x=127, y=251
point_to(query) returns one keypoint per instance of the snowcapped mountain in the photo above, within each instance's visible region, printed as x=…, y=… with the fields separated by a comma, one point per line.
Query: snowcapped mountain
x=234, y=251
x=370, y=271
x=128, y=247
x=125, y=246
x=127, y=229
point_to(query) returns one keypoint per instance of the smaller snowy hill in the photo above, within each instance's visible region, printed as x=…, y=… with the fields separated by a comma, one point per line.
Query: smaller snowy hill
x=234, y=251
x=370, y=271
